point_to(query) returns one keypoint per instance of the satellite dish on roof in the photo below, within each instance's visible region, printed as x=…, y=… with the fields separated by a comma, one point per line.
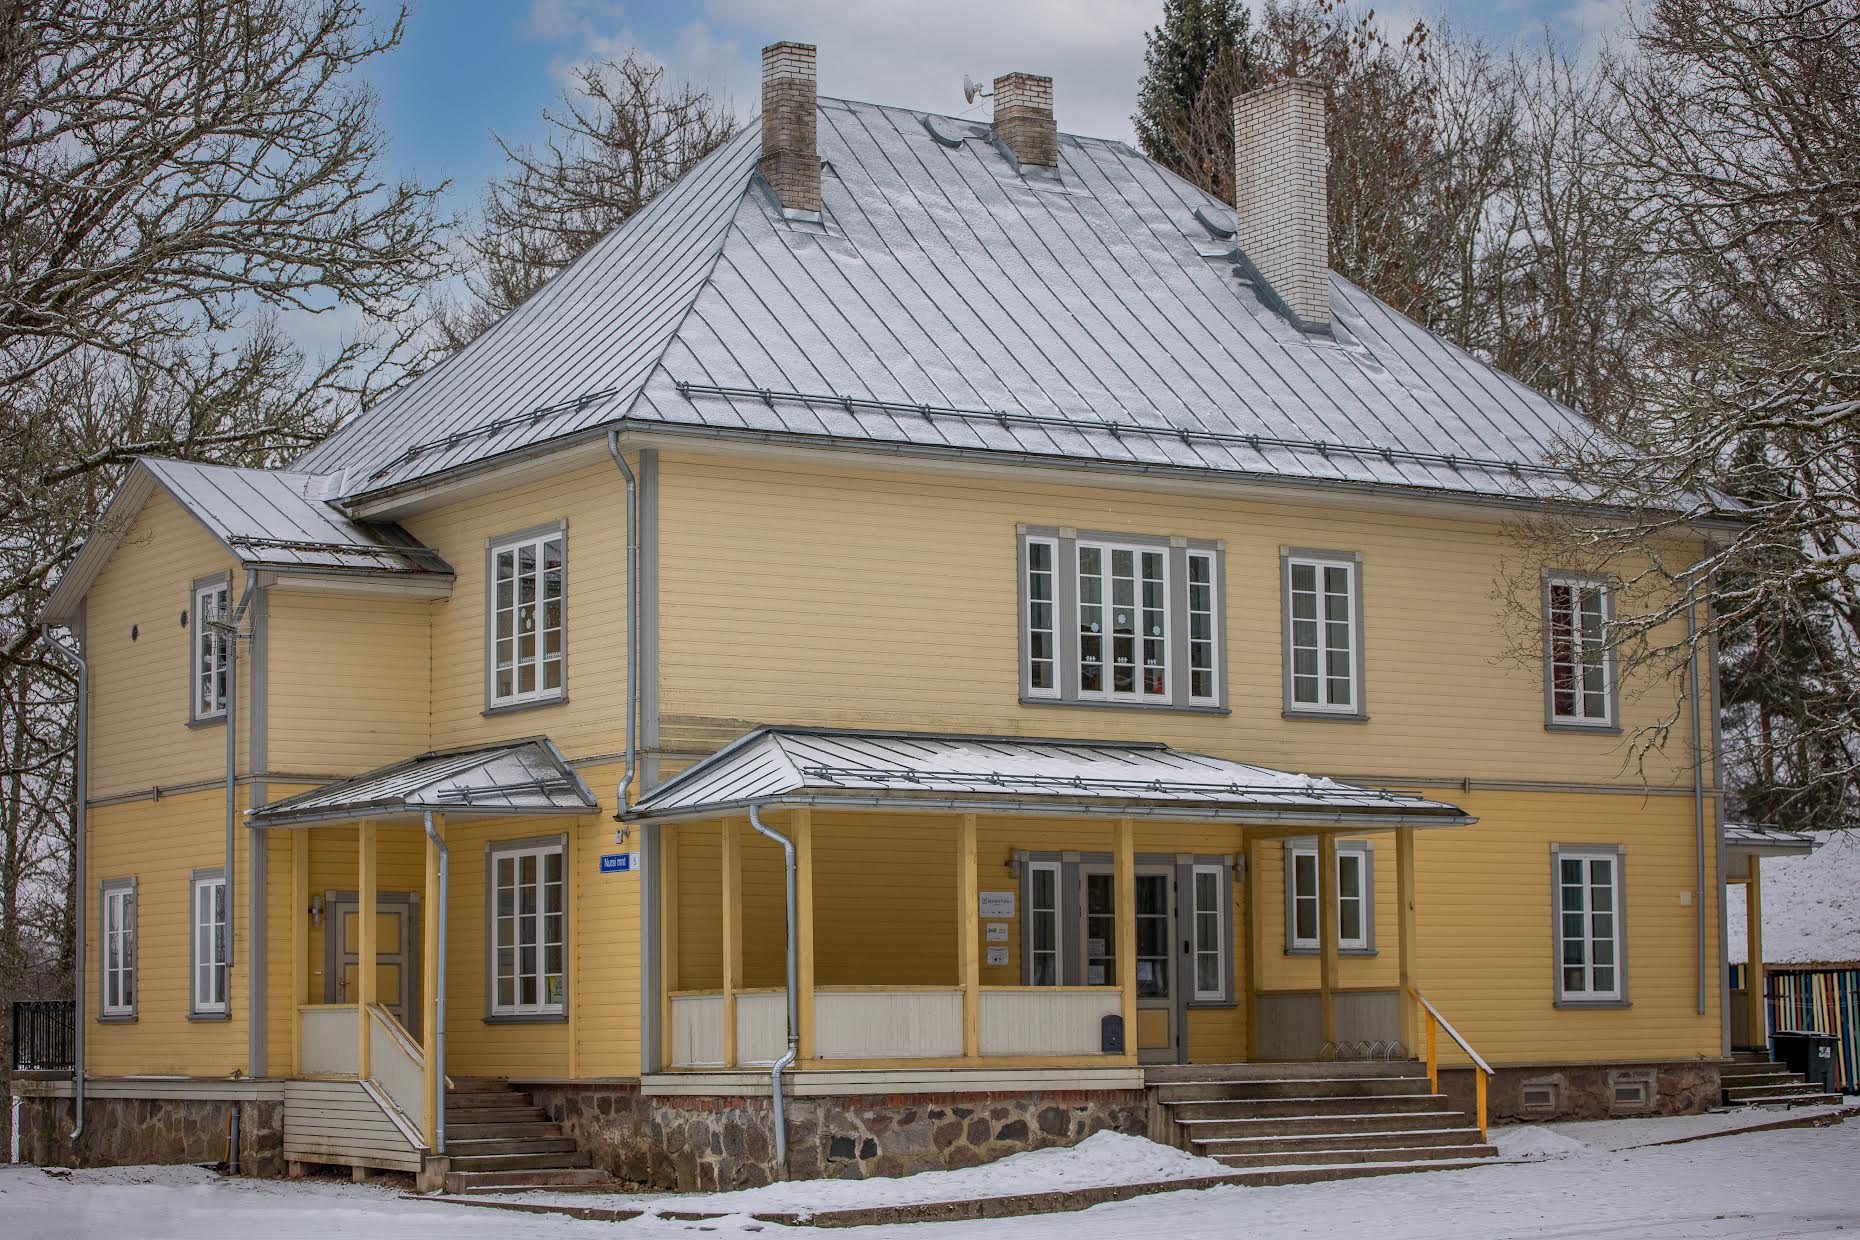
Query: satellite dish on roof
x=972, y=90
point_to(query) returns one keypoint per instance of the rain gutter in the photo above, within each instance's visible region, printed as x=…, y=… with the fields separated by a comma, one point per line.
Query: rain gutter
x=623, y=794
x=794, y=997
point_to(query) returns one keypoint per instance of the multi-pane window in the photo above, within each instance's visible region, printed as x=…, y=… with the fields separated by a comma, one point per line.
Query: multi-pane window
x=118, y=933
x=212, y=602
x=527, y=619
x=209, y=922
x=1321, y=636
x=1201, y=652
x=1043, y=924
x=1576, y=617
x=529, y=930
x=1100, y=930
x=1588, y=924
x=1355, y=881
x=1209, y=933
x=1122, y=621
x=1042, y=634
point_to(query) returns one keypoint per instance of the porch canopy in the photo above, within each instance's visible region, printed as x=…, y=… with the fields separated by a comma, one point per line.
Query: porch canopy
x=861, y=807
x=1745, y=846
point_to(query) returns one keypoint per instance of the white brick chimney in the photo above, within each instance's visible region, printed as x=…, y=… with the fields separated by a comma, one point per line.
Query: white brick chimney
x=1280, y=198
x=790, y=156
x=1024, y=119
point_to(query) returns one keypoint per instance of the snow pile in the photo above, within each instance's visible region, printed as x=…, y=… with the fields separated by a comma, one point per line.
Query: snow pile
x=174, y=1176
x=1101, y=1159
x=1530, y=1141
x=1811, y=906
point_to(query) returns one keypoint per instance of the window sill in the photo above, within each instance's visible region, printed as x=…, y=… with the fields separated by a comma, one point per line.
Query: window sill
x=1593, y=1003
x=1336, y=716
x=1600, y=729
x=527, y=1018
x=1360, y=953
x=512, y=708
x=1096, y=704
x=117, y=1018
x=209, y=1017
x=211, y=721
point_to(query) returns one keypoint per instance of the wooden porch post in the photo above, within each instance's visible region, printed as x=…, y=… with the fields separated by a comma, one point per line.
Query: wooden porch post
x=1404, y=911
x=1327, y=937
x=1255, y=940
x=1126, y=880
x=300, y=942
x=429, y=988
x=1757, y=1031
x=366, y=950
x=668, y=939
x=969, y=938
x=804, y=931
x=732, y=862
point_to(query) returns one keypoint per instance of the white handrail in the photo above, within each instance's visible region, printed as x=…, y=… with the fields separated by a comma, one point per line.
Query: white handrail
x=1452, y=1032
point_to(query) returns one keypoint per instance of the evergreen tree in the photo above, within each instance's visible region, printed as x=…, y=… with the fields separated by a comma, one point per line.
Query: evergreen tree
x=1195, y=61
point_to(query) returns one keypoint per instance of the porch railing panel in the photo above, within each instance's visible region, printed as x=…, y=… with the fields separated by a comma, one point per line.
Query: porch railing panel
x=398, y=1065
x=761, y=1026
x=1047, y=1020
x=43, y=1035
x=697, y=1031
x=888, y=1024
x=328, y=1039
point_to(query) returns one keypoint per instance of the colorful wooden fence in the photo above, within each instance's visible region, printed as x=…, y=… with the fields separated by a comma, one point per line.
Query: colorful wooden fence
x=1816, y=1001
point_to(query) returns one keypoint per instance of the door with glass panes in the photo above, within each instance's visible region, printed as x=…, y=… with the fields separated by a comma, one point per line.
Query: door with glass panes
x=1158, y=1035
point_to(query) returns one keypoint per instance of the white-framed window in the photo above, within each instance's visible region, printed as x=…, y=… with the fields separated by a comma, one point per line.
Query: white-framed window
x=1203, y=652
x=1591, y=965
x=117, y=932
x=212, y=602
x=529, y=936
x=1044, y=959
x=1322, y=634
x=1579, y=677
x=1355, y=897
x=528, y=618
x=1123, y=622
x=1209, y=932
x=207, y=899
x=1042, y=635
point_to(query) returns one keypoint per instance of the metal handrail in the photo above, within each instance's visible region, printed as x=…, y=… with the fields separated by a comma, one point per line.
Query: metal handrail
x=1436, y=1021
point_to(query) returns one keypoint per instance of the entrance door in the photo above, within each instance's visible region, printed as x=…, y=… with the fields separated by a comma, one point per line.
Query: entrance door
x=1157, y=1035
x=396, y=958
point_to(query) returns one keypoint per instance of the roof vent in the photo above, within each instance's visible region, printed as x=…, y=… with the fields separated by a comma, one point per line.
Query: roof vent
x=790, y=155
x=1280, y=199
x=1024, y=119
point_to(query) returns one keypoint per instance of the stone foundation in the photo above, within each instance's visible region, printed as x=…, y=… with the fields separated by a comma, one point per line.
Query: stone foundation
x=715, y=1143
x=1589, y=1091
x=127, y=1131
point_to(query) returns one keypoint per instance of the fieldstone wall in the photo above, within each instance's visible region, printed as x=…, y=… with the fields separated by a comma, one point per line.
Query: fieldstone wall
x=128, y=1131
x=1589, y=1091
x=714, y=1143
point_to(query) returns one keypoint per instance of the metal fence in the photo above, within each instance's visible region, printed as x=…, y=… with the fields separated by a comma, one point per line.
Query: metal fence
x=44, y=1035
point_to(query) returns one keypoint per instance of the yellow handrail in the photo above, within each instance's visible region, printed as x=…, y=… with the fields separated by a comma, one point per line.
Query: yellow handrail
x=1435, y=1023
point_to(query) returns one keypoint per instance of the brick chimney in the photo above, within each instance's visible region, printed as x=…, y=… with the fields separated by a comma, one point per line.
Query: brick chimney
x=1024, y=119
x=1280, y=198
x=790, y=157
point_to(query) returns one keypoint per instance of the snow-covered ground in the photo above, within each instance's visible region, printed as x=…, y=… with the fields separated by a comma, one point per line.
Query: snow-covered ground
x=1787, y=1183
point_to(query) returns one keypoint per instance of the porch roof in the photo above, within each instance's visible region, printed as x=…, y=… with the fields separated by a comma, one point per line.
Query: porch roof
x=513, y=778
x=1761, y=841
x=775, y=766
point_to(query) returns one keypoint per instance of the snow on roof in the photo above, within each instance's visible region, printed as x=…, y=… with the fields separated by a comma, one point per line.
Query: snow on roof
x=520, y=777
x=1811, y=906
x=946, y=302
x=790, y=765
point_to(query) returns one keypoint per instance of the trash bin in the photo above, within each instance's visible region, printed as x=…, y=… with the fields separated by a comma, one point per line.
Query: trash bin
x=1811, y=1054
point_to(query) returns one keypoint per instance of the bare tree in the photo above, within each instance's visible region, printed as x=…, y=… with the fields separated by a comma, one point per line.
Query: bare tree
x=622, y=133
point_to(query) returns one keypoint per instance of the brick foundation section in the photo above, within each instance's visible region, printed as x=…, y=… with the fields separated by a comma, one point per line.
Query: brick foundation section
x=1589, y=1091
x=710, y=1144
x=128, y=1131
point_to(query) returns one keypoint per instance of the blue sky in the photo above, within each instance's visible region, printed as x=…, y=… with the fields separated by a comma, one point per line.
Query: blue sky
x=471, y=68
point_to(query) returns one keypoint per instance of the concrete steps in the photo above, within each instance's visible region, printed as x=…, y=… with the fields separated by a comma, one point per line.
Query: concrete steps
x=1302, y=1123
x=1753, y=1079
x=499, y=1140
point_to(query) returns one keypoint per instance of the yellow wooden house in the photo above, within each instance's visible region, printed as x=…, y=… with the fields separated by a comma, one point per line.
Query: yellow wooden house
x=935, y=638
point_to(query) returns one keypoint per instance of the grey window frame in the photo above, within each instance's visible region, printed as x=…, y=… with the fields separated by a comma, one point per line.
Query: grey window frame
x=1618, y=852
x=196, y=633
x=1057, y=866
x=1364, y=848
x=120, y=1014
x=1065, y=541
x=195, y=1011
x=492, y=849
x=493, y=705
x=1186, y=871
x=1353, y=560
x=1554, y=722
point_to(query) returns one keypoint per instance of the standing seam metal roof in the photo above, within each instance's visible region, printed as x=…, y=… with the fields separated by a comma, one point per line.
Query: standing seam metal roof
x=519, y=777
x=942, y=286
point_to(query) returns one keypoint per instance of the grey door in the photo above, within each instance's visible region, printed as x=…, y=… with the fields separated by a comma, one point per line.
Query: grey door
x=396, y=953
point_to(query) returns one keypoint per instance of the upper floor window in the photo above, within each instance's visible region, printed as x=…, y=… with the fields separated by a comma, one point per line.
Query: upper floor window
x=1323, y=637
x=210, y=928
x=1579, y=673
x=1120, y=618
x=117, y=937
x=212, y=602
x=1591, y=962
x=528, y=607
x=1355, y=897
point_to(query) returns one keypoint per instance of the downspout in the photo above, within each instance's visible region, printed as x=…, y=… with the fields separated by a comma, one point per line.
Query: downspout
x=439, y=990
x=623, y=794
x=79, y=762
x=1698, y=783
x=794, y=998
x=229, y=630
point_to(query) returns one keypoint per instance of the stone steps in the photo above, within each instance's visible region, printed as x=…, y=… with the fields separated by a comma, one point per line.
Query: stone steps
x=1264, y=1108
x=581, y=1178
x=498, y=1140
x=1753, y=1079
x=1293, y=1087
x=1289, y=1149
x=1306, y=1125
x=1167, y=1074
x=1361, y=1157
x=471, y=1147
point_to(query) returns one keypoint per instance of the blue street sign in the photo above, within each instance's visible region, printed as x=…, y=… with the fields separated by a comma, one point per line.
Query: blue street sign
x=618, y=863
